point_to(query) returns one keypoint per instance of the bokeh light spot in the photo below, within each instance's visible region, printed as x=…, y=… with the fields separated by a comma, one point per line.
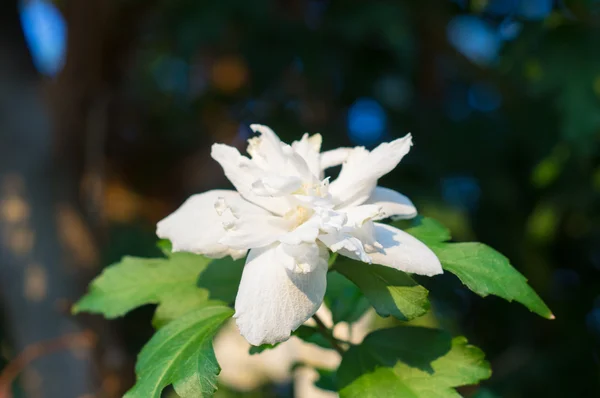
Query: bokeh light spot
x=474, y=38
x=229, y=73
x=45, y=32
x=367, y=122
x=535, y=9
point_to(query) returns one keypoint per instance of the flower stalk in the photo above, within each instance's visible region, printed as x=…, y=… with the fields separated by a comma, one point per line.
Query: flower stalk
x=328, y=334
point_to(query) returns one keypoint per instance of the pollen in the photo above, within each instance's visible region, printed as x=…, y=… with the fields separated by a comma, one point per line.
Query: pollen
x=298, y=216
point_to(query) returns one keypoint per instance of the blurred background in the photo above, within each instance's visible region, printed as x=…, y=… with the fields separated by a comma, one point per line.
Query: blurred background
x=108, y=109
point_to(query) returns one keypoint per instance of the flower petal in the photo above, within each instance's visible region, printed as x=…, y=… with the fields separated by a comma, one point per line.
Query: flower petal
x=276, y=185
x=196, y=226
x=248, y=226
x=402, y=251
x=308, y=148
x=392, y=204
x=242, y=172
x=272, y=300
x=335, y=157
x=267, y=149
x=359, y=174
x=305, y=232
x=345, y=244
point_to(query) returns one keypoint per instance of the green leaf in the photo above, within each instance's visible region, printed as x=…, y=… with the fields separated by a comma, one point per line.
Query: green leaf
x=382, y=383
x=428, y=230
x=306, y=333
x=327, y=380
x=181, y=354
x=253, y=350
x=418, y=347
x=222, y=278
x=312, y=335
x=483, y=269
x=179, y=303
x=390, y=291
x=165, y=246
x=463, y=365
x=136, y=281
x=344, y=299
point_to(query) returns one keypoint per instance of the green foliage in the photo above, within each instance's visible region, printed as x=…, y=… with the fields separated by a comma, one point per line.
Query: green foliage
x=344, y=299
x=390, y=291
x=306, y=333
x=418, y=347
x=481, y=268
x=401, y=361
x=135, y=281
x=181, y=354
x=222, y=278
x=463, y=364
x=327, y=380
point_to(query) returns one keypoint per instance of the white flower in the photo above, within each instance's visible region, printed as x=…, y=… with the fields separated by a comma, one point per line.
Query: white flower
x=287, y=214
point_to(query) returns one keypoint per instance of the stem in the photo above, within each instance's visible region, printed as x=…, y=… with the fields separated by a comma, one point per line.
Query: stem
x=324, y=330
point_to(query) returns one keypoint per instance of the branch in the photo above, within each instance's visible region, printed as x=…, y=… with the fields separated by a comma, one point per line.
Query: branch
x=37, y=350
x=324, y=330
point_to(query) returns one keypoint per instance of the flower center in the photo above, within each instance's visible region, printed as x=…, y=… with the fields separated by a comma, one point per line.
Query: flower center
x=320, y=189
x=298, y=216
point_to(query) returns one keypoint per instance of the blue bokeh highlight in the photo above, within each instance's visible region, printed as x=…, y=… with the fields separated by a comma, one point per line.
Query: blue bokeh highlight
x=367, y=122
x=45, y=32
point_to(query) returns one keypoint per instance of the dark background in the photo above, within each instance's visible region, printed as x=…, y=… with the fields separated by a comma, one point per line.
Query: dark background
x=108, y=109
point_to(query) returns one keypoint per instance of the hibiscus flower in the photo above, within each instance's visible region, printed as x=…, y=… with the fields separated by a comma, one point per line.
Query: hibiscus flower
x=287, y=216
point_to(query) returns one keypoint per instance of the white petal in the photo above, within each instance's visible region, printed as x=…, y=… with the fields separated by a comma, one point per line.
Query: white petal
x=358, y=215
x=276, y=157
x=404, y=252
x=268, y=148
x=308, y=148
x=273, y=301
x=242, y=172
x=276, y=185
x=392, y=204
x=359, y=174
x=303, y=258
x=345, y=244
x=196, y=226
x=335, y=157
x=305, y=232
x=248, y=226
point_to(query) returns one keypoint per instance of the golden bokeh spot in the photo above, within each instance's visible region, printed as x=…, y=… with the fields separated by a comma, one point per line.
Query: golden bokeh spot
x=120, y=203
x=543, y=222
x=19, y=240
x=479, y=5
x=229, y=73
x=14, y=209
x=76, y=236
x=596, y=179
x=596, y=85
x=533, y=70
x=36, y=283
x=111, y=384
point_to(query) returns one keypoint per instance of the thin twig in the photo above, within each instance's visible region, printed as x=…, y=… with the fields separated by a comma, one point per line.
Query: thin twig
x=324, y=330
x=37, y=350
